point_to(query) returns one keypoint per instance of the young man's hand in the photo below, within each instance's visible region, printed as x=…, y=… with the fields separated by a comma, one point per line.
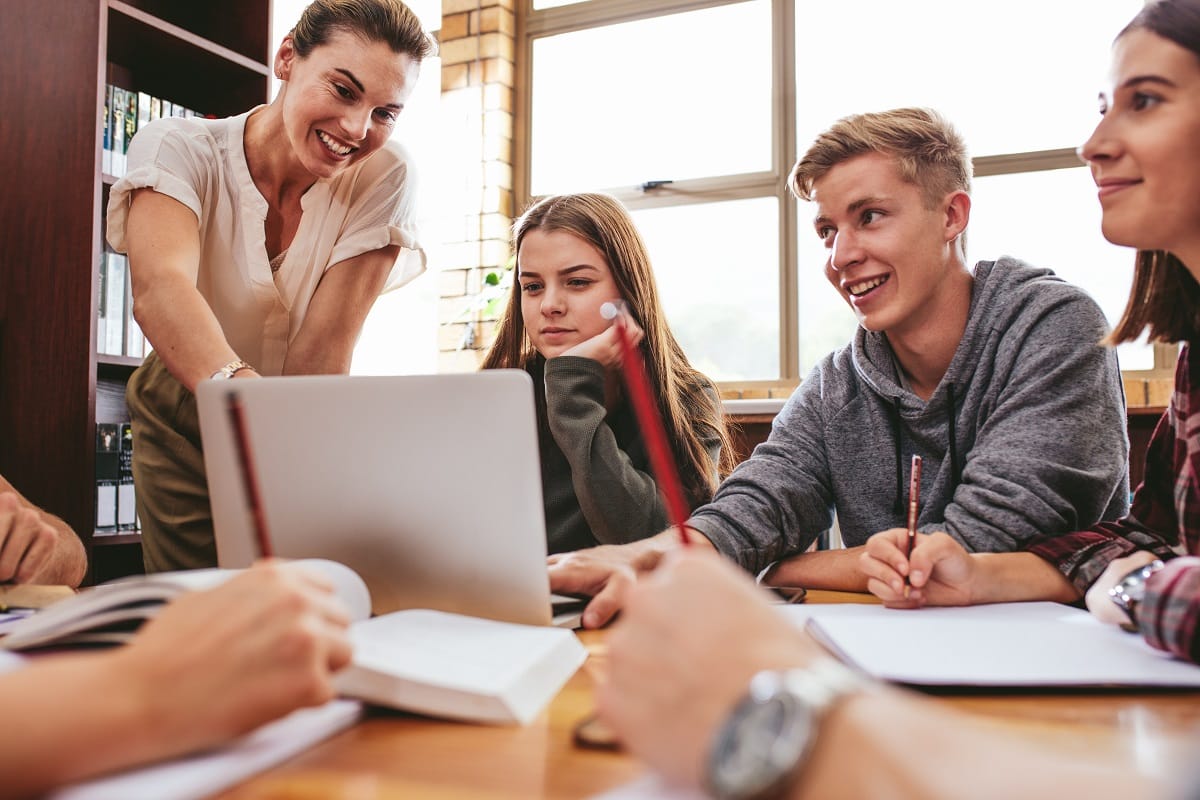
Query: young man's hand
x=940, y=570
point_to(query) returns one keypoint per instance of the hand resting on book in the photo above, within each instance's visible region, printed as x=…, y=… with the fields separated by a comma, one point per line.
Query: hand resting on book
x=209, y=666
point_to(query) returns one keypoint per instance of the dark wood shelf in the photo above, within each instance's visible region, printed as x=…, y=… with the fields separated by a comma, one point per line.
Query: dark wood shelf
x=107, y=359
x=240, y=28
x=211, y=56
x=113, y=539
x=203, y=75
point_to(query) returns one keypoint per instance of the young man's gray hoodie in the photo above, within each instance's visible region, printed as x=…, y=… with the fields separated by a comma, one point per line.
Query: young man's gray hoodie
x=1024, y=435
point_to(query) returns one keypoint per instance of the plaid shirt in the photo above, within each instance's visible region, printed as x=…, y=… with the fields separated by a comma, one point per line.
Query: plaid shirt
x=1164, y=519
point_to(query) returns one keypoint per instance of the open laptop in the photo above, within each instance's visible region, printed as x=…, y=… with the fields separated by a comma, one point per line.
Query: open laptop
x=428, y=486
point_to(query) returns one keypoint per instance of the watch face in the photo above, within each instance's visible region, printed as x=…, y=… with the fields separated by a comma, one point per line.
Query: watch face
x=761, y=746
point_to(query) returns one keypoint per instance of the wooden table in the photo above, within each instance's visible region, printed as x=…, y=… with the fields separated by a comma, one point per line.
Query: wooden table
x=391, y=755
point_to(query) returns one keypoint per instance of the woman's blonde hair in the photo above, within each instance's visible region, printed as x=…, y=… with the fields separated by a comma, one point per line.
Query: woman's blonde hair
x=689, y=413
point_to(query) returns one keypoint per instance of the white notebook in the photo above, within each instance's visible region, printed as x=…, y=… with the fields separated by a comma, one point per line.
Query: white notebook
x=1006, y=644
x=209, y=772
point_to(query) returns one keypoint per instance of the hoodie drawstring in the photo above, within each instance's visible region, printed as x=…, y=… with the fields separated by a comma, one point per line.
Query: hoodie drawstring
x=897, y=432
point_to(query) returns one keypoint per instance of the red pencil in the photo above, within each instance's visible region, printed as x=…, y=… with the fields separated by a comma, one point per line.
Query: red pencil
x=914, y=496
x=237, y=419
x=650, y=422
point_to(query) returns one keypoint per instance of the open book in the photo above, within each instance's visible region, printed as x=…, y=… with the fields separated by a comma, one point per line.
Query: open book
x=427, y=662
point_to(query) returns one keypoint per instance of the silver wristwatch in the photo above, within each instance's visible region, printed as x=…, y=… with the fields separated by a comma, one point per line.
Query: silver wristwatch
x=762, y=747
x=1131, y=590
x=229, y=370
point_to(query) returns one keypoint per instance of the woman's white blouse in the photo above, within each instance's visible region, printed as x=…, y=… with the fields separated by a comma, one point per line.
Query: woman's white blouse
x=202, y=164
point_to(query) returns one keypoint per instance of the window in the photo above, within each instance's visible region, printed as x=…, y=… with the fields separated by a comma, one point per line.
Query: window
x=720, y=99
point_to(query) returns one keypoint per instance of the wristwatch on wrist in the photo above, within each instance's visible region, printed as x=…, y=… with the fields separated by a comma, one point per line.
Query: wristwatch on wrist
x=229, y=370
x=762, y=747
x=1131, y=589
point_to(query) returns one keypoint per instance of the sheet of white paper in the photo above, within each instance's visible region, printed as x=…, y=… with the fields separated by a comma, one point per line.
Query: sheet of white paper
x=206, y=773
x=1008, y=644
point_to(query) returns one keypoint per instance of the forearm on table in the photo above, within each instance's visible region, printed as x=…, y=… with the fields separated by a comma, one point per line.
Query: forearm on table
x=1019, y=577
x=72, y=717
x=895, y=745
x=836, y=570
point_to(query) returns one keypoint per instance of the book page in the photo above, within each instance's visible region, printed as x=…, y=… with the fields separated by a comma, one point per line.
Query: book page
x=452, y=650
x=139, y=597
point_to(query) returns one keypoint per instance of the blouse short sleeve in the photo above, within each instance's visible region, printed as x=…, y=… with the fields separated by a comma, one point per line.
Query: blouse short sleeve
x=164, y=156
x=384, y=202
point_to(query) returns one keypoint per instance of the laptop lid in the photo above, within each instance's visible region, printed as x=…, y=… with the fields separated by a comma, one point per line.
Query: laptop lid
x=428, y=486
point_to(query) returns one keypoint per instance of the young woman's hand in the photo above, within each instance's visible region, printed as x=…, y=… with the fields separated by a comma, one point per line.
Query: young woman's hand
x=605, y=347
x=219, y=663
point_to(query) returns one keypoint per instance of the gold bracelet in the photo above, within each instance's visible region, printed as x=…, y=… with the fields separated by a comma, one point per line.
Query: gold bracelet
x=229, y=370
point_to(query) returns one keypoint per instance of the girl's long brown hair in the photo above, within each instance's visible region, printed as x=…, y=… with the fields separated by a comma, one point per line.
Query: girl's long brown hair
x=684, y=399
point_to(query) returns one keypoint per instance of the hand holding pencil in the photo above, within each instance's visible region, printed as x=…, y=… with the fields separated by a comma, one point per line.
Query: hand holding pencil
x=662, y=460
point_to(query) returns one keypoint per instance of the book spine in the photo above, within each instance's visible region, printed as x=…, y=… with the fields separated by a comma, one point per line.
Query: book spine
x=135, y=340
x=117, y=138
x=114, y=282
x=126, y=500
x=102, y=303
x=106, y=131
x=131, y=126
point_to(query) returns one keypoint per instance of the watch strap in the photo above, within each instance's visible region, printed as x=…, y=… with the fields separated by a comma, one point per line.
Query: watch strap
x=1128, y=592
x=811, y=692
x=229, y=370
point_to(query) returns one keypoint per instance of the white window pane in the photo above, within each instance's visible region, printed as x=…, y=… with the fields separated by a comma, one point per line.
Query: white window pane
x=673, y=97
x=717, y=268
x=1052, y=219
x=399, y=335
x=1013, y=76
x=826, y=322
x=538, y=5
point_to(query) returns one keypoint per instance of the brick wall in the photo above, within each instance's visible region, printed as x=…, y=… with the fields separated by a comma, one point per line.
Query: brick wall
x=477, y=48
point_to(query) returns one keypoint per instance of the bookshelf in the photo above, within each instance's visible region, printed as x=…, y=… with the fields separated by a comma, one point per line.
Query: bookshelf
x=55, y=58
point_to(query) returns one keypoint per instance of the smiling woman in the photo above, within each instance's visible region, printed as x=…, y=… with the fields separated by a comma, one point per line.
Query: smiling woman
x=575, y=253
x=258, y=243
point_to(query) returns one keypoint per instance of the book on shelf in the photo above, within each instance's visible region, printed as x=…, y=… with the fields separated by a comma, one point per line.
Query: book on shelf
x=117, y=332
x=106, y=131
x=114, y=309
x=116, y=132
x=125, y=112
x=428, y=662
x=126, y=503
x=101, y=302
x=135, y=340
x=131, y=126
x=108, y=473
